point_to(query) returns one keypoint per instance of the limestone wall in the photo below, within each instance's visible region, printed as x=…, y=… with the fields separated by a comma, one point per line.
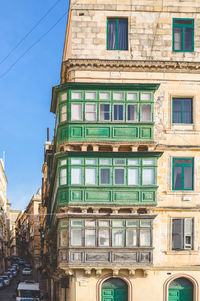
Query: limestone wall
x=149, y=29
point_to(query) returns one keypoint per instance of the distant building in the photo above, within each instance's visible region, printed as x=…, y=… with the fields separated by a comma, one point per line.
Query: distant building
x=27, y=229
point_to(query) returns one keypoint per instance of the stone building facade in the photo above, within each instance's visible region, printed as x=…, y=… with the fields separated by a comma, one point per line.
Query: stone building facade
x=124, y=175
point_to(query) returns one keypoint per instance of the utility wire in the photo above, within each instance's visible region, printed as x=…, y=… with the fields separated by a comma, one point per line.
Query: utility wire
x=35, y=43
x=28, y=33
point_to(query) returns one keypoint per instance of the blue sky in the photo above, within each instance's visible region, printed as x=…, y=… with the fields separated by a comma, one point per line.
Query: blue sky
x=26, y=91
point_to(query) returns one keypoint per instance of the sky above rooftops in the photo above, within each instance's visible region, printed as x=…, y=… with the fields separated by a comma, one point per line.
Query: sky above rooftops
x=27, y=76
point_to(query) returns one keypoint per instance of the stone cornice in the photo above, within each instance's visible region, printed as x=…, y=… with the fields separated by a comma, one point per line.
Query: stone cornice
x=127, y=66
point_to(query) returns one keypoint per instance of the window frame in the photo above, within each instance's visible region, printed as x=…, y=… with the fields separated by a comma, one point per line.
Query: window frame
x=117, y=33
x=182, y=100
x=182, y=165
x=182, y=26
x=185, y=248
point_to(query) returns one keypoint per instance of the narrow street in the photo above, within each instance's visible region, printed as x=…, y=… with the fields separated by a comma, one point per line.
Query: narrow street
x=6, y=294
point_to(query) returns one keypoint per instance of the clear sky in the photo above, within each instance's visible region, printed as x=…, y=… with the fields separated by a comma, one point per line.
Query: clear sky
x=25, y=90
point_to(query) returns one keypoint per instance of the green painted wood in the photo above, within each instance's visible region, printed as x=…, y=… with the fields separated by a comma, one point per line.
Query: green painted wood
x=117, y=294
x=102, y=132
x=180, y=294
x=112, y=196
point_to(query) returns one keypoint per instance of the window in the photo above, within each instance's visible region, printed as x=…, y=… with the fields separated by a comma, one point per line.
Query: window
x=117, y=34
x=182, y=234
x=90, y=112
x=105, y=175
x=183, y=35
x=90, y=176
x=132, y=113
x=119, y=176
x=63, y=176
x=76, y=111
x=145, y=113
x=63, y=233
x=118, y=112
x=104, y=112
x=116, y=233
x=182, y=178
x=76, y=176
x=182, y=110
x=63, y=113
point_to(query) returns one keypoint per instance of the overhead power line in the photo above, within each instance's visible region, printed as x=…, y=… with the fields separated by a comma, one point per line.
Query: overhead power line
x=29, y=32
x=35, y=43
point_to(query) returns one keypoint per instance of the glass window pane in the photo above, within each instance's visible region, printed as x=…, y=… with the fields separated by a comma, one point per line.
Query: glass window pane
x=90, y=223
x=119, y=176
x=105, y=175
x=90, y=95
x=131, y=237
x=148, y=162
x=116, y=223
x=76, y=161
x=104, y=238
x=145, y=114
x=112, y=34
x=63, y=177
x=103, y=223
x=76, y=176
x=133, y=161
x=119, y=161
x=188, y=38
x=104, y=112
x=123, y=34
x=118, y=112
x=177, y=38
x=76, y=111
x=145, y=238
x=132, y=96
x=104, y=95
x=187, y=111
x=90, y=176
x=184, y=161
x=146, y=96
x=64, y=96
x=63, y=113
x=177, y=177
x=148, y=175
x=133, y=176
x=90, y=161
x=77, y=95
x=105, y=162
x=118, y=96
x=63, y=162
x=132, y=223
x=90, y=112
x=76, y=237
x=76, y=223
x=145, y=223
x=177, y=110
x=63, y=237
x=132, y=113
x=90, y=238
x=187, y=177
x=117, y=237
x=185, y=22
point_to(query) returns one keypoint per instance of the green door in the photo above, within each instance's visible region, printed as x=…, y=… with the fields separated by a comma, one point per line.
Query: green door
x=114, y=289
x=180, y=289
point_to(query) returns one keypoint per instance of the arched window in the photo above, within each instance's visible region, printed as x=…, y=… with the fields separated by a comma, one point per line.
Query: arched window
x=180, y=289
x=114, y=289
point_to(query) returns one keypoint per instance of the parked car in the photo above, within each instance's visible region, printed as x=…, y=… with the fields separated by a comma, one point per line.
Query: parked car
x=26, y=271
x=15, y=265
x=6, y=279
x=14, y=271
x=28, y=290
x=27, y=265
x=10, y=275
x=1, y=283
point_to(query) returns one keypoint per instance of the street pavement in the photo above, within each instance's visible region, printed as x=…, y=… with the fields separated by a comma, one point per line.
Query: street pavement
x=6, y=294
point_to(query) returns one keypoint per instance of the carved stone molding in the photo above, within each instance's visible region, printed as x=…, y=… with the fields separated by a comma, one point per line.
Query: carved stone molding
x=127, y=66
